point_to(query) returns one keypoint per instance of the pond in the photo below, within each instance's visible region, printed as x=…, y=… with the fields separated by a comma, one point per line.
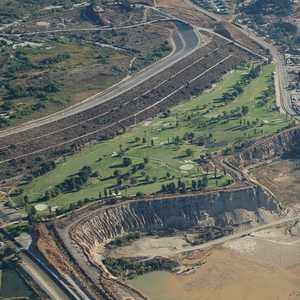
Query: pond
x=156, y=285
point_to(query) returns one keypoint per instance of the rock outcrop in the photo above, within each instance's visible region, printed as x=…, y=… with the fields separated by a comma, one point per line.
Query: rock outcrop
x=228, y=207
x=269, y=148
x=83, y=231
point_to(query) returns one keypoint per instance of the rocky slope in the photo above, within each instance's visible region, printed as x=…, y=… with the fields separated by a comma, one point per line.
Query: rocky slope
x=269, y=148
x=228, y=207
x=83, y=231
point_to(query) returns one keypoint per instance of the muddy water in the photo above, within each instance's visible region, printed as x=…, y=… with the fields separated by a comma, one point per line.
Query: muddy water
x=155, y=285
x=12, y=285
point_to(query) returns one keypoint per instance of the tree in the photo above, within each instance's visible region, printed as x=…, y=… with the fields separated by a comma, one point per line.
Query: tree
x=68, y=4
x=31, y=211
x=244, y=110
x=26, y=200
x=188, y=152
x=163, y=188
x=194, y=185
x=139, y=194
x=126, y=161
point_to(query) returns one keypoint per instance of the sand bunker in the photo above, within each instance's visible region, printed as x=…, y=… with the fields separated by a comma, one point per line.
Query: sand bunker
x=187, y=167
x=41, y=207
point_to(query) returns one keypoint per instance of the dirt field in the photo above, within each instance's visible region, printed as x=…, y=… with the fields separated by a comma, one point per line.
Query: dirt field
x=150, y=246
x=226, y=275
x=183, y=10
x=282, y=178
x=275, y=247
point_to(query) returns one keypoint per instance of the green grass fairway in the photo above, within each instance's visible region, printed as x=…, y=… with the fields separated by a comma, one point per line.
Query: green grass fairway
x=155, y=140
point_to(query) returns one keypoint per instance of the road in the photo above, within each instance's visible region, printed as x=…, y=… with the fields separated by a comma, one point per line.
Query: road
x=186, y=40
x=42, y=279
x=107, y=28
x=238, y=235
x=283, y=99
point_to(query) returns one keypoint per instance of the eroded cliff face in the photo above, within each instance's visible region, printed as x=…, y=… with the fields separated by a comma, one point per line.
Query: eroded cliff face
x=271, y=147
x=228, y=207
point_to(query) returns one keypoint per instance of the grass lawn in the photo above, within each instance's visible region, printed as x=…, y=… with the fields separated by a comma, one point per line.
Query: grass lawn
x=156, y=141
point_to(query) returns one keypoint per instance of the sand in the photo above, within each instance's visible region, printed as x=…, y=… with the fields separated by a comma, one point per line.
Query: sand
x=226, y=275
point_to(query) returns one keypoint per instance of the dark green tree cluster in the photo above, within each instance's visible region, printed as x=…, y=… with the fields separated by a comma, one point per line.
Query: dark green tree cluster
x=279, y=8
x=238, y=88
x=181, y=187
x=126, y=267
x=70, y=184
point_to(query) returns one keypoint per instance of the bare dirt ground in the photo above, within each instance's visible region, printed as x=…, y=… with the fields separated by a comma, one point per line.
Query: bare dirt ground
x=50, y=251
x=184, y=10
x=265, y=265
x=149, y=246
x=275, y=247
x=181, y=9
x=282, y=178
x=228, y=275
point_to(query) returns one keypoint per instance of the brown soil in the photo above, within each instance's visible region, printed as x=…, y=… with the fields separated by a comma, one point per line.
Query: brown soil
x=183, y=10
x=3, y=196
x=227, y=275
x=282, y=178
x=47, y=246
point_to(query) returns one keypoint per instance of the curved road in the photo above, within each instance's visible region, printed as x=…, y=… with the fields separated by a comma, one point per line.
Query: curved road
x=186, y=40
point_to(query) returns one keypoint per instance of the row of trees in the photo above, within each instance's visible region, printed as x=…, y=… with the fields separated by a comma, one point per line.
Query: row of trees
x=181, y=187
x=238, y=88
x=70, y=184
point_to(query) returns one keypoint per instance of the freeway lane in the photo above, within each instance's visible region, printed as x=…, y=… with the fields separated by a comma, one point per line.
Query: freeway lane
x=42, y=279
x=119, y=121
x=186, y=40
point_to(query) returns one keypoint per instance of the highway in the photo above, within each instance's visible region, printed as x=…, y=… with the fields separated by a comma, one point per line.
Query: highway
x=42, y=279
x=186, y=40
x=107, y=28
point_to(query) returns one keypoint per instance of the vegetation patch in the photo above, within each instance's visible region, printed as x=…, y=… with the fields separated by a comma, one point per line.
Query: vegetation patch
x=149, y=158
x=130, y=267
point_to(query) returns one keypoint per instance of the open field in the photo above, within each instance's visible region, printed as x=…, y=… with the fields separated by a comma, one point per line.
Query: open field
x=282, y=178
x=102, y=118
x=267, y=260
x=224, y=275
x=170, y=154
x=275, y=246
x=47, y=73
x=148, y=247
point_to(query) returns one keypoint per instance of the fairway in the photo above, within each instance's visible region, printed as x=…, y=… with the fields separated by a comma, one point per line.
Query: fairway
x=166, y=147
